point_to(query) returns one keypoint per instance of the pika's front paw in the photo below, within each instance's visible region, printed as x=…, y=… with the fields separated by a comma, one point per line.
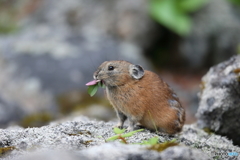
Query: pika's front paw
x=130, y=129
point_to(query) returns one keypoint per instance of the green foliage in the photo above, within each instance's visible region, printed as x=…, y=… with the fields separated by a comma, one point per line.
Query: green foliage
x=101, y=84
x=153, y=142
x=129, y=134
x=92, y=90
x=118, y=130
x=162, y=146
x=237, y=2
x=121, y=136
x=113, y=138
x=174, y=14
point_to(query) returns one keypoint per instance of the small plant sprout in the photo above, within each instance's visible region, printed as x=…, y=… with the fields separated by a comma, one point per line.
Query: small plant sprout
x=93, y=86
x=153, y=143
x=121, y=136
x=161, y=146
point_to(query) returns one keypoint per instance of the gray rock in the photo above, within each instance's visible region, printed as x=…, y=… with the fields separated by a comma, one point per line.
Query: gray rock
x=84, y=138
x=19, y=95
x=219, y=107
x=117, y=151
x=115, y=18
x=214, y=36
x=183, y=153
x=48, y=155
x=9, y=112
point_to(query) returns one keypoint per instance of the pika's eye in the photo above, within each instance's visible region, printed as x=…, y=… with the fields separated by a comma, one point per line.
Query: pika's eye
x=110, y=68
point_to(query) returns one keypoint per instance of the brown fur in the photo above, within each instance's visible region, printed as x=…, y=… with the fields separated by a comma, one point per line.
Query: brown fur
x=147, y=100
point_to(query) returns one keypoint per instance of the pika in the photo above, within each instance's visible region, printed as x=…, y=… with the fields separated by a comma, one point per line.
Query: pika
x=140, y=96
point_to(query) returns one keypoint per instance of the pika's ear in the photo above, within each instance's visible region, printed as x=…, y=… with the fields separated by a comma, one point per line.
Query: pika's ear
x=136, y=71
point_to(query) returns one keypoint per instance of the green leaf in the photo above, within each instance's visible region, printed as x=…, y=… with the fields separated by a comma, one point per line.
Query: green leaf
x=113, y=138
x=101, y=84
x=118, y=131
x=92, y=90
x=174, y=14
x=143, y=143
x=162, y=10
x=129, y=134
x=183, y=24
x=191, y=5
x=153, y=140
x=167, y=13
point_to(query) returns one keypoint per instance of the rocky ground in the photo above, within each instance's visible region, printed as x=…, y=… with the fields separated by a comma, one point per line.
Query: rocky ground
x=81, y=138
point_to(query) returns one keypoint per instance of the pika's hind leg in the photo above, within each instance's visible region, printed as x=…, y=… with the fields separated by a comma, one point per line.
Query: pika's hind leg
x=121, y=119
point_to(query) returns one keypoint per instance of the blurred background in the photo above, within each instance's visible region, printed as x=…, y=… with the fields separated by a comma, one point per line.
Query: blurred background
x=49, y=50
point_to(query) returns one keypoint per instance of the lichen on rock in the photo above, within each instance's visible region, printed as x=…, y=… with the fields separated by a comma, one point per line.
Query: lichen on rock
x=219, y=107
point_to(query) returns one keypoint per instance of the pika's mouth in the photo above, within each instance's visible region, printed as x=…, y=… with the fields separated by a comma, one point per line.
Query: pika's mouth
x=95, y=81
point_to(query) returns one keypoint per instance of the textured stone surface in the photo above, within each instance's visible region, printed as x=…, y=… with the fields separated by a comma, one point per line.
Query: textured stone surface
x=219, y=107
x=81, y=137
